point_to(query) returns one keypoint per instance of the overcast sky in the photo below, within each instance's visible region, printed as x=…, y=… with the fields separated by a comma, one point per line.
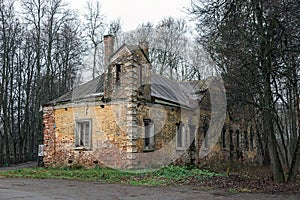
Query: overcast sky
x=135, y=12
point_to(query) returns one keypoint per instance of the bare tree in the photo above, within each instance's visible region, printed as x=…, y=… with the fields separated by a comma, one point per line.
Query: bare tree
x=95, y=27
x=251, y=44
x=39, y=58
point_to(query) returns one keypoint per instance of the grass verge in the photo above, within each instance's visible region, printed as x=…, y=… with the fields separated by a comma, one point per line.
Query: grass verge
x=170, y=175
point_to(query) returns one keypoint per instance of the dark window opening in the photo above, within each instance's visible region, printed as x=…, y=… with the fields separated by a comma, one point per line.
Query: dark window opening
x=246, y=140
x=237, y=133
x=231, y=140
x=224, y=137
x=141, y=75
x=118, y=75
x=192, y=137
x=251, y=139
x=205, y=129
x=149, y=142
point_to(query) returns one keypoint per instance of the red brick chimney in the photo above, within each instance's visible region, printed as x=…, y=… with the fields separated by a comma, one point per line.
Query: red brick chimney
x=109, y=41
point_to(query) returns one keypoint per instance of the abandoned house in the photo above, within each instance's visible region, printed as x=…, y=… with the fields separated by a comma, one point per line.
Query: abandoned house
x=129, y=117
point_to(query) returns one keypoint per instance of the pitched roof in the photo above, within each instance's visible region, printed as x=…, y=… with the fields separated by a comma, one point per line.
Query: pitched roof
x=125, y=48
x=94, y=87
x=178, y=92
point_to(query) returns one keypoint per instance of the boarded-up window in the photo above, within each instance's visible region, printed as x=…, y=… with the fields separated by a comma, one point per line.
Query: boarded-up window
x=83, y=133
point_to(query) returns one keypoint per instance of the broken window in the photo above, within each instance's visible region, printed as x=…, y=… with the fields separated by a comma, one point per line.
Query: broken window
x=83, y=133
x=180, y=132
x=149, y=142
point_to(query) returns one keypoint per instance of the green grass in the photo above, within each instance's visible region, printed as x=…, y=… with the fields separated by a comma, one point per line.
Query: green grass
x=170, y=175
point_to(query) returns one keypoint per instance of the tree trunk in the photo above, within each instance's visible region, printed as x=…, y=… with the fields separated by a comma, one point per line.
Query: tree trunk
x=292, y=174
x=277, y=170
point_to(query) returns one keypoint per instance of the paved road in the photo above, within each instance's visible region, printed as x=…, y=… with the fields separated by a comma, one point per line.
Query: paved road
x=50, y=189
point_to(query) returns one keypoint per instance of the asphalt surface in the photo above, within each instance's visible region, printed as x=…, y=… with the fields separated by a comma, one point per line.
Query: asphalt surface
x=54, y=189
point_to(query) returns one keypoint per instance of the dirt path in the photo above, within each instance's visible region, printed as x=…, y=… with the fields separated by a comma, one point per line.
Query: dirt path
x=49, y=189
x=20, y=166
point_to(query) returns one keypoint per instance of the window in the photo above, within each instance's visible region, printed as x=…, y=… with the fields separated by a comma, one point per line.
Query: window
x=231, y=140
x=192, y=137
x=83, y=134
x=246, y=140
x=180, y=136
x=149, y=143
x=205, y=136
x=141, y=75
x=251, y=139
x=118, y=75
x=237, y=133
x=223, y=138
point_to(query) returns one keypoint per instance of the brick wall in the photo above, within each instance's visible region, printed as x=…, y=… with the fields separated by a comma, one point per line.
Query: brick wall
x=108, y=136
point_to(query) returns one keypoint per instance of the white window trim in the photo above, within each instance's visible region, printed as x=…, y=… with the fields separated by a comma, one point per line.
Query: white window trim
x=83, y=147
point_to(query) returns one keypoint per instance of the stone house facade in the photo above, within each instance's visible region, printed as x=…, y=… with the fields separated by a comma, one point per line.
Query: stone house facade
x=129, y=117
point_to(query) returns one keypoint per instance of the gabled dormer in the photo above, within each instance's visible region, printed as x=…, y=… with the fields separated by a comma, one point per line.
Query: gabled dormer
x=128, y=71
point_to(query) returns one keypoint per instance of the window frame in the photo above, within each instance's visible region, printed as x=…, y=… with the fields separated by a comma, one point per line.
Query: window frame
x=180, y=131
x=78, y=135
x=192, y=136
x=224, y=138
x=149, y=135
x=205, y=136
x=118, y=75
x=237, y=139
x=252, y=140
